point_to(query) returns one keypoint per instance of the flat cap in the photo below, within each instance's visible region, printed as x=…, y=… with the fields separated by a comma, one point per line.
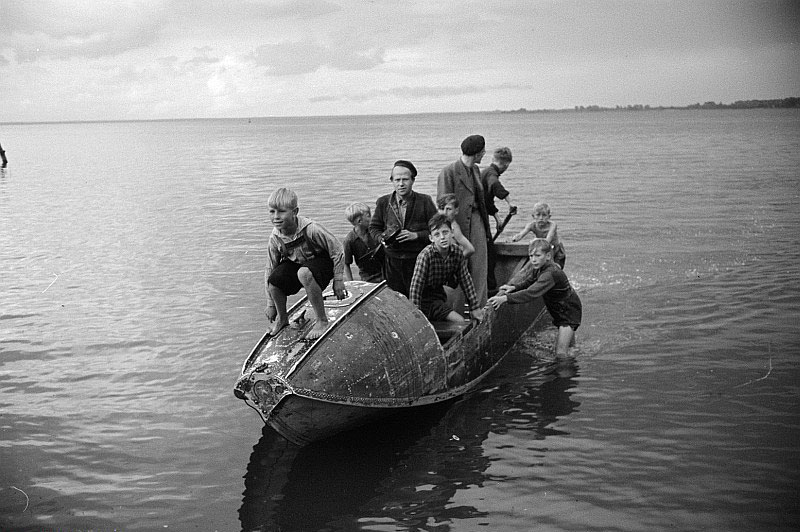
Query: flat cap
x=406, y=164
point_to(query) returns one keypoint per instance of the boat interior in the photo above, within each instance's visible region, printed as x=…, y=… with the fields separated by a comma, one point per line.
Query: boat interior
x=449, y=330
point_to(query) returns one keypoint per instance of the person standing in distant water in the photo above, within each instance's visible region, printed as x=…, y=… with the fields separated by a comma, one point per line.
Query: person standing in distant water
x=400, y=223
x=462, y=178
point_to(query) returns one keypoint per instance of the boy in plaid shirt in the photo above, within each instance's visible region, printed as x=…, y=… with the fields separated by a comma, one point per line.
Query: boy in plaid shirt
x=442, y=263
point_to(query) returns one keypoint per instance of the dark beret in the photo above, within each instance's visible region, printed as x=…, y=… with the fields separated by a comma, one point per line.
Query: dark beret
x=473, y=145
x=407, y=164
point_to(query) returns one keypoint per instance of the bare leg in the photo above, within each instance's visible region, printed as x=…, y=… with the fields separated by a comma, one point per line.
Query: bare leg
x=281, y=320
x=565, y=364
x=566, y=338
x=455, y=317
x=314, y=294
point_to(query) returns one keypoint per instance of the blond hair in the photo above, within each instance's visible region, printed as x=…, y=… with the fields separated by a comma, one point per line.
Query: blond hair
x=354, y=210
x=541, y=207
x=283, y=198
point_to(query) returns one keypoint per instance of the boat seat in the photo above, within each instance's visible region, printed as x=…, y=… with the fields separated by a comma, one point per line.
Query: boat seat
x=446, y=330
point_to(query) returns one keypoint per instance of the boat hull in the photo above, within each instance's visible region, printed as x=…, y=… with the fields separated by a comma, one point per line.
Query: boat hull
x=380, y=354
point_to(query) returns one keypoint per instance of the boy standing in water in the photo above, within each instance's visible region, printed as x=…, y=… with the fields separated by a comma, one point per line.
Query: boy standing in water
x=442, y=262
x=542, y=277
x=301, y=254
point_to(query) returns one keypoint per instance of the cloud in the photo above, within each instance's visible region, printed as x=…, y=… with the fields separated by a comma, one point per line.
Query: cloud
x=49, y=29
x=303, y=9
x=76, y=59
x=302, y=57
x=418, y=92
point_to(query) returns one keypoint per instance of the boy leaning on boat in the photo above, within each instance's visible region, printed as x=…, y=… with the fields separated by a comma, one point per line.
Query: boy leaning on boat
x=301, y=254
x=543, y=277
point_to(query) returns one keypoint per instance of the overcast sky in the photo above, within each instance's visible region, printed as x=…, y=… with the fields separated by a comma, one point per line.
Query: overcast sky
x=116, y=59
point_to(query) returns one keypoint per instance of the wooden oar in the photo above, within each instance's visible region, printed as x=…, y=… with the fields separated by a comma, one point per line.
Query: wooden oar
x=511, y=212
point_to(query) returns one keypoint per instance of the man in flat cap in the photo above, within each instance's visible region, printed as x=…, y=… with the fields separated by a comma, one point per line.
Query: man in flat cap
x=400, y=223
x=463, y=178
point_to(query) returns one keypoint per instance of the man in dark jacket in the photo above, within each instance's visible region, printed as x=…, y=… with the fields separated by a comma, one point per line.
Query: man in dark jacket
x=400, y=222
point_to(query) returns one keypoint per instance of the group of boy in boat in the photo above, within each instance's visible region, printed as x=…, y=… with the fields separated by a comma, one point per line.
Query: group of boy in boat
x=419, y=248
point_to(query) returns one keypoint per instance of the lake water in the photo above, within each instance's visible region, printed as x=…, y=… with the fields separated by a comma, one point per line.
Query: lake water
x=131, y=271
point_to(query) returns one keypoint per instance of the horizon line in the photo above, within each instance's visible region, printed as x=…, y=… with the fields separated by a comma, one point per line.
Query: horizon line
x=576, y=108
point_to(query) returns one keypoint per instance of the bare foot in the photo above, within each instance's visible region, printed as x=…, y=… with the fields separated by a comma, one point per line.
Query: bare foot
x=317, y=330
x=277, y=326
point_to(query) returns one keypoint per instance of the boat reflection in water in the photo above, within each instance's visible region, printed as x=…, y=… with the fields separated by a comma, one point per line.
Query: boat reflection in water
x=403, y=471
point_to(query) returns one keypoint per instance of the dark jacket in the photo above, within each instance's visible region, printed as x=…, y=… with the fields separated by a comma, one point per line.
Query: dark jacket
x=420, y=209
x=465, y=183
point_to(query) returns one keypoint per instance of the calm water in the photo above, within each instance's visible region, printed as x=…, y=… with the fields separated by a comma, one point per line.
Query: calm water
x=131, y=259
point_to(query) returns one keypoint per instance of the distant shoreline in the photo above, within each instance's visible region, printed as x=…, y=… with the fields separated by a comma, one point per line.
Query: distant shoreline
x=784, y=103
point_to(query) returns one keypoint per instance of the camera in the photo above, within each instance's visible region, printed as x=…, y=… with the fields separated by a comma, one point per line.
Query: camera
x=389, y=237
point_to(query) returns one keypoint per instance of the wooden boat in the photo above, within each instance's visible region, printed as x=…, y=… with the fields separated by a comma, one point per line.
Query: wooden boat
x=380, y=354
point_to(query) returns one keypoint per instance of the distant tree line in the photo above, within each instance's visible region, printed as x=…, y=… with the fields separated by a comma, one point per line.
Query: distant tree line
x=784, y=103
x=750, y=104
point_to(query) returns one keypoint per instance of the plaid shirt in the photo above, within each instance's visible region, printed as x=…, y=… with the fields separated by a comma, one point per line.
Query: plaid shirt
x=432, y=272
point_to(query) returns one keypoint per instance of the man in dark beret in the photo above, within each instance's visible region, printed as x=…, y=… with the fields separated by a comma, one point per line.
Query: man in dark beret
x=400, y=223
x=473, y=145
x=463, y=178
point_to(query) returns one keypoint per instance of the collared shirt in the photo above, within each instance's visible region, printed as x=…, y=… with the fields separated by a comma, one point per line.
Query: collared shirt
x=362, y=250
x=432, y=272
x=401, y=205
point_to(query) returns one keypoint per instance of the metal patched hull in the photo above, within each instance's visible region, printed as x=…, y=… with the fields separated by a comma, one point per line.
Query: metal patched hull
x=380, y=354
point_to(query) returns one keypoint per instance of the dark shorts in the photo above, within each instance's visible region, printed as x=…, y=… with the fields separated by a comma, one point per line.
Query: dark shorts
x=284, y=276
x=435, y=306
x=567, y=312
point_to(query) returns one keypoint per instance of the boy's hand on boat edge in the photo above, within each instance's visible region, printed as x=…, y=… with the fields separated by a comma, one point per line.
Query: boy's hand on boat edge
x=497, y=301
x=338, y=289
x=478, y=314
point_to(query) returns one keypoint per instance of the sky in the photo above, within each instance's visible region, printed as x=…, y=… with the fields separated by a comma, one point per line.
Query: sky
x=65, y=60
